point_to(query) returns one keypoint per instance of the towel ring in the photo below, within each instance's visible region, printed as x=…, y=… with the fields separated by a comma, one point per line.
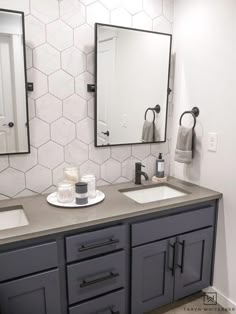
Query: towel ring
x=194, y=112
x=156, y=109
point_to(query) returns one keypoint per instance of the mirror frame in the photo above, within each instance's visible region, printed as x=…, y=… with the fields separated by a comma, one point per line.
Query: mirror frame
x=26, y=86
x=168, y=91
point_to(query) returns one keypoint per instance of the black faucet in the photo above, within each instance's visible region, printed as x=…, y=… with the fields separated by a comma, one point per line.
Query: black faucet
x=139, y=173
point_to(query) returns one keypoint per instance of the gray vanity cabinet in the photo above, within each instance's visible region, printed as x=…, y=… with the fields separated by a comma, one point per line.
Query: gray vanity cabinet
x=193, y=270
x=152, y=275
x=38, y=294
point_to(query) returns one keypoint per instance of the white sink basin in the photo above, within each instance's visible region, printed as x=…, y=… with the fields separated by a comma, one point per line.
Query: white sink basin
x=153, y=194
x=12, y=218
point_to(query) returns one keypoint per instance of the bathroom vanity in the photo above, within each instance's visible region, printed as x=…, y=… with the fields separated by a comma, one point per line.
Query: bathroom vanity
x=117, y=257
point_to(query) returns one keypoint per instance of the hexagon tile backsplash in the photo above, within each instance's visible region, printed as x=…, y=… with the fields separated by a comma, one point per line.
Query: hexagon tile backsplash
x=60, y=62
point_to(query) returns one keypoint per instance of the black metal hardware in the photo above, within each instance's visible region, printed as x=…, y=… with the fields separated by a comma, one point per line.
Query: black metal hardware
x=194, y=112
x=91, y=88
x=108, y=309
x=30, y=87
x=10, y=124
x=139, y=173
x=156, y=109
x=181, y=266
x=86, y=283
x=107, y=133
x=98, y=245
x=169, y=91
x=172, y=265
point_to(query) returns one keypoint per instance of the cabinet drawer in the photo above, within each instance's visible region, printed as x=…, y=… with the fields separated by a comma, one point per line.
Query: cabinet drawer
x=29, y=260
x=113, y=303
x=169, y=226
x=97, y=276
x=94, y=243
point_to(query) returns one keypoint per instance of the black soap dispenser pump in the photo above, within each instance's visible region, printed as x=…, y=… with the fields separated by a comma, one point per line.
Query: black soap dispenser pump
x=160, y=167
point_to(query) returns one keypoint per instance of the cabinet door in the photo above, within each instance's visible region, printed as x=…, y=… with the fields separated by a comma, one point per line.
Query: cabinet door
x=152, y=275
x=39, y=294
x=194, y=261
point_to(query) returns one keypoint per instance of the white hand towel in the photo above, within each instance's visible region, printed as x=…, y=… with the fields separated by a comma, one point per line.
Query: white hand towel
x=184, y=146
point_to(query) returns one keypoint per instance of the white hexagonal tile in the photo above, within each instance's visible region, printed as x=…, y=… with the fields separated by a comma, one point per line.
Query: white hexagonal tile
x=121, y=153
x=153, y=7
x=90, y=167
x=142, y=20
x=102, y=183
x=31, y=108
x=73, y=61
x=156, y=149
x=62, y=131
x=29, y=57
x=84, y=38
x=96, y=12
x=3, y=197
x=39, y=132
x=40, y=83
x=72, y=12
x=38, y=179
x=61, y=84
x=24, y=162
x=91, y=108
x=58, y=173
x=11, y=182
x=99, y=154
x=4, y=163
x=128, y=168
x=150, y=166
x=59, y=35
x=141, y=151
x=51, y=155
x=35, y=32
x=111, y=4
x=75, y=108
x=121, y=180
x=50, y=190
x=85, y=130
x=48, y=108
x=161, y=24
x=45, y=10
x=81, y=83
x=87, y=2
x=111, y=170
x=121, y=17
x=26, y=193
x=90, y=62
x=168, y=9
x=133, y=6
x=76, y=152
x=16, y=5
x=47, y=59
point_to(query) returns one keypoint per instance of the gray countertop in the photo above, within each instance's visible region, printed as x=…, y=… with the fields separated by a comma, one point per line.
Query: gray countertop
x=45, y=219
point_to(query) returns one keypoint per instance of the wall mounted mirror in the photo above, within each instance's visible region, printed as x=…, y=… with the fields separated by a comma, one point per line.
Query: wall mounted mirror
x=14, y=132
x=132, y=85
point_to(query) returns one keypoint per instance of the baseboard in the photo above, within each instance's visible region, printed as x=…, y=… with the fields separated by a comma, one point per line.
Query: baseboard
x=222, y=300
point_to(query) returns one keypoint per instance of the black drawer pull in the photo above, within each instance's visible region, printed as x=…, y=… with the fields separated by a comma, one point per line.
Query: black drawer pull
x=109, y=309
x=95, y=246
x=182, y=256
x=171, y=261
x=86, y=283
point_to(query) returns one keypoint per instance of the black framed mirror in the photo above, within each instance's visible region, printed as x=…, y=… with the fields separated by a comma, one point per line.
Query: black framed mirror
x=14, y=122
x=132, y=73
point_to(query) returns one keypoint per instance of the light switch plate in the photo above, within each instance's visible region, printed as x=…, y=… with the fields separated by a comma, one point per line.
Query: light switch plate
x=212, y=141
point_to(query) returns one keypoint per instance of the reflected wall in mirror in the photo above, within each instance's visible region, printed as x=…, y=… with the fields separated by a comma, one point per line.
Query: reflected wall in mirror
x=132, y=83
x=14, y=132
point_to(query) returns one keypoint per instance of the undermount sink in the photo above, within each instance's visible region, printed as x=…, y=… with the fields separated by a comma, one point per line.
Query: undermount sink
x=13, y=217
x=155, y=193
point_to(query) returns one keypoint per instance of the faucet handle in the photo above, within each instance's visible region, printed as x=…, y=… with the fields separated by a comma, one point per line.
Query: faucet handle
x=143, y=166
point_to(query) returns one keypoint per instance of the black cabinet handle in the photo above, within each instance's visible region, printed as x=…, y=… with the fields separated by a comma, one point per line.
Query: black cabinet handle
x=181, y=266
x=108, y=309
x=95, y=246
x=171, y=262
x=86, y=283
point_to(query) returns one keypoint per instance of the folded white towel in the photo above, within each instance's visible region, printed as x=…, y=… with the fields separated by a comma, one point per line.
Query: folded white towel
x=184, y=146
x=150, y=132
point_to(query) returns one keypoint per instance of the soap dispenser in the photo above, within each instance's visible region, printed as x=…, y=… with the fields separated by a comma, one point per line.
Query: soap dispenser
x=160, y=167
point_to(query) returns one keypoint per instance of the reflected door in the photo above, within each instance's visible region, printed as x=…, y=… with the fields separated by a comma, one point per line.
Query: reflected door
x=7, y=134
x=106, y=71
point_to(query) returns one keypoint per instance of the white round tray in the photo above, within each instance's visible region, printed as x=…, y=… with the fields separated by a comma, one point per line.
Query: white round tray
x=52, y=199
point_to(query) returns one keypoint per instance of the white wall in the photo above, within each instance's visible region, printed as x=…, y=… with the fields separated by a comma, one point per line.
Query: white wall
x=205, y=48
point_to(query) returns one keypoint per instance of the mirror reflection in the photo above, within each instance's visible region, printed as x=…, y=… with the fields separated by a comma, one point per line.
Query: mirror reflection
x=131, y=85
x=14, y=135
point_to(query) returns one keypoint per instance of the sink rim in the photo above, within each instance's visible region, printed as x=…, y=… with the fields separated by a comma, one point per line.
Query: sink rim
x=10, y=209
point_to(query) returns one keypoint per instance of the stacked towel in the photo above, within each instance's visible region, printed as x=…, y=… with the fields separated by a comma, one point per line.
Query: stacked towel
x=150, y=132
x=184, y=146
